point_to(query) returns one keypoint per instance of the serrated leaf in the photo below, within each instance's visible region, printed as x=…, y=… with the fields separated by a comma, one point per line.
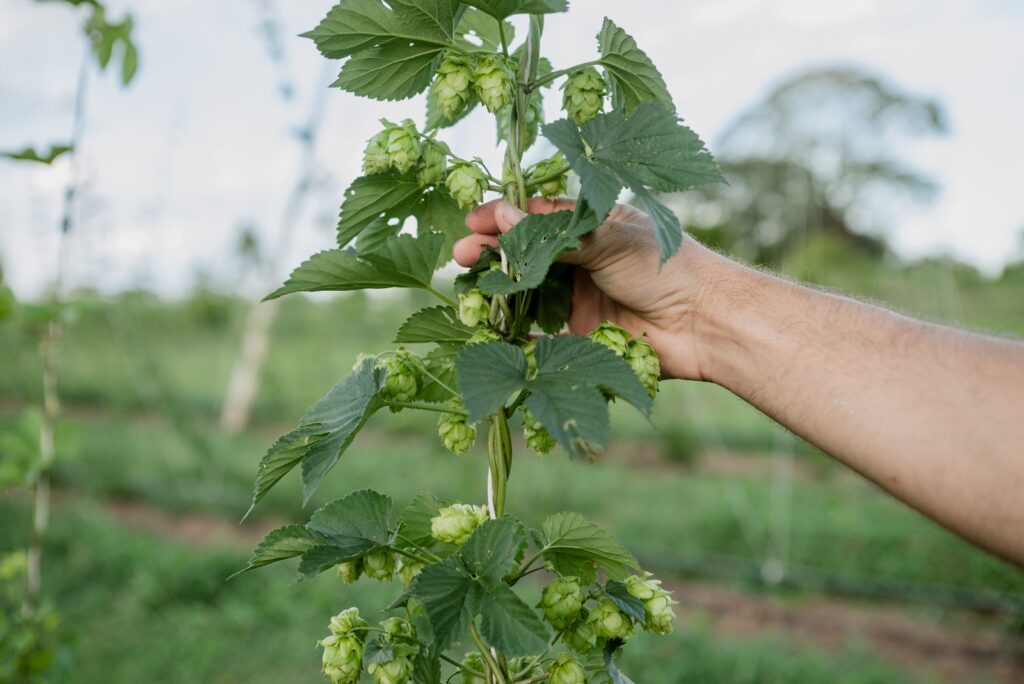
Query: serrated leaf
x=324, y=557
x=650, y=149
x=506, y=622
x=414, y=521
x=426, y=669
x=374, y=235
x=280, y=544
x=535, y=244
x=487, y=376
x=505, y=8
x=395, y=71
x=492, y=548
x=571, y=358
x=553, y=301
x=377, y=651
x=449, y=595
x=358, y=521
x=438, y=212
x=389, y=196
x=437, y=324
x=627, y=603
x=614, y=673
x=30, y=154
x=575, y=414
x=634, y=78
x=402, y=261
x=570, y=535
x=323, y=433
x=355, y=25
x=477, y=25
x=439, y=368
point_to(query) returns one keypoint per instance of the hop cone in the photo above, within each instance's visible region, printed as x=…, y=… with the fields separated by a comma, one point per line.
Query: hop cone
x=658, y=613
x=403, y=145
x=580, y=636
x=433, y=162
x=375, y=156
x=609, y=622
x=611, y=336
x=473, y=308
x=396, y=627
x=397, y=671
x=402, y=381
x=349, y=571
x=583, y=95
x=407, y=570
x=645, y=364
x=452, y=86
x=456, y=522
x=456, y=434
x=343, y=649
x=562, y=601
x=567, y=670
x=348, y=622
x=466, y=183
x=492, y=82
x=556, y=187
x=537, y=436
x=483, y=334
x=475, y=662
x=379, y=565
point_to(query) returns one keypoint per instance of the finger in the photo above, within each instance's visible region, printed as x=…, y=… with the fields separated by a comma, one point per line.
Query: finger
x=467, y=250
x=481, y=219
x=540, y=205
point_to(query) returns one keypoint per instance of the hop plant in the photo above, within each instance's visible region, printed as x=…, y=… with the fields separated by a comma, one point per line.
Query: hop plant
x=407, y=570
x=645, y=364
x=375, y=156
x=609, y=622
x=612, y=336
x=348, y=622
x=456, y=522
x=397, y=671
x=474, y=662
x=403, y=145
x=567, y=670
x=580, y=636
x=350, y=571
x=343, y=648
x=537, y=436
x=402, y=381
x=379, y=565
x=397, y=628
x=483, y=334
x=457, y=436
x=583, y=95
x=562, y=601
x=552, y=188
x=658, y=612
x=452, y=86
x=433, y=162
x=466, y=183
x=492, y=82
x=473, y=308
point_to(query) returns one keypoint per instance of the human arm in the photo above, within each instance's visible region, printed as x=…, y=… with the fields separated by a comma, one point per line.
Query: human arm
x=933, y=415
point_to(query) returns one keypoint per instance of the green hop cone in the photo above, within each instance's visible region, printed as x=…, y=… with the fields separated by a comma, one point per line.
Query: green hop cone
x=583, y=95
x=611, y=336
x=457, y=436
x=350, y=571
x=658, y=612
x=474, y=308
x=348, y=622
x=433, y=162
x=567, y=670
x=537, y=436
x=408, y=569
x=483, y=334
x=580, y=636
x=397, y=671
x=343, y=649
x=466, y=183
x=456, y=522
x=562, y=601
x=397, y=628
x=452, y=87
x=403, y=145
x=492, y=82
x=379, y=565
x=553, y=188
x=375, y=156
x=645, y=364
x=475, y=662
x=609, y=622
x=402, y=381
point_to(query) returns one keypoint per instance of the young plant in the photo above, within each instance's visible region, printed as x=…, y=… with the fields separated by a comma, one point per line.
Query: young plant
x=461, y=563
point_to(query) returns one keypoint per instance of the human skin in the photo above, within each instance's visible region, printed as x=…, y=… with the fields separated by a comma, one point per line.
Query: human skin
x=931, y=414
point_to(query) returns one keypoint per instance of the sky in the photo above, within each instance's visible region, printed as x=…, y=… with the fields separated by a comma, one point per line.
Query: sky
x=203, y=142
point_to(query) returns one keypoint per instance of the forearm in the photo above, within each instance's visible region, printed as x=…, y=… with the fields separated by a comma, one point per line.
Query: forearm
x=933, y=415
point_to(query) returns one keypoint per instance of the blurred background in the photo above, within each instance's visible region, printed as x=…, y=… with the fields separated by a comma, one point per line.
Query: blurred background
x=871, y=147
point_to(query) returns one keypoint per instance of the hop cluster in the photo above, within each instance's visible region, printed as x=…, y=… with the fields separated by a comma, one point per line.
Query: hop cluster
x=609, y=622
x=658, y=612
x=407, y=570
x=452, y=86
x=612, y=336
x=402, y=381
x=397, y=146
x=456, y=434
x=433, y=162
x=466, y=183
x=396, y=671
x=379, y=565
x=473, y=662
x=473, y=308
x=583, y=95
x=567, y=670
x=537, y=436
x=492, y=82
x=343, y=648
x=456, y=522
x=350, y=571
x=555, y=187
x=645, y=364
x=562, y=602
x=580, y=636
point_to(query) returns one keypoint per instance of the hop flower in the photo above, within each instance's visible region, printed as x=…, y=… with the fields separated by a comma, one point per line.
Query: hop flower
x=466, y=183
x=403, y=145
x=492, y=81
x=456, y=434
x=349, y=571
x=562, y=601
x=433, y=162
x=407, y=570
x=658, y=613
x=397, y=671
x=402, y=381
x=452, y=86
x=609, y=622
x=348, y=622
x=343, y=649
x=379, y=565
x=395, y=627
x=611, y=336
x=645, y=363
x=537, y=436
x=567, y=670
x=580, y=636
x=555, y=187
x=483, y=334
x=457, y=522
x=474, y=661
x=473, y=308
x=375, y=156
x=584, y=95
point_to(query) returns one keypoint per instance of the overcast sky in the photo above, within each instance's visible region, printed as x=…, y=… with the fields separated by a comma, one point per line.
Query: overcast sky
x=202, y=142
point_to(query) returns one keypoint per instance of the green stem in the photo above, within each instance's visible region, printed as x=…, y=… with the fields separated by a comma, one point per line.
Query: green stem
x=497, y=460
x=421, y=406
x=544, y=80
x=485, y=652
x=444, y=298
x=562, y=170
x=409, y=554
x=504, y=39
x=426, y=552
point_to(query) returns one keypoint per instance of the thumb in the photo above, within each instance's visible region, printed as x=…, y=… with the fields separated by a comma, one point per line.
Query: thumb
x=507, y=215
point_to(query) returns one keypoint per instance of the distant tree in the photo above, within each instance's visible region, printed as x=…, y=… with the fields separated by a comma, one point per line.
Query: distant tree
x=820, y=153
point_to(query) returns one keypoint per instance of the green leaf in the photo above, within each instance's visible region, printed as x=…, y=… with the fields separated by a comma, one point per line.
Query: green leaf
x=492, y=548
x=449, y=595
x=436, y=324
x=426, y=669
x=627, y=603
x=357, y=523
x=324, y=557
x=402, y=261
x=553, y=302
x=488, y=374
x=30, y=154
x=614, y=673
x=8, y=303
x=375, y=235
x=390, y=196
x=634, y=78
x=439, y=363
x=129, y=62
x=438, y=212
x=280, y=544
x=650, y=149
x=395, y=71
x=573, y=359
x=414, y=521
x=505, y=8
x=355, y=25
x=323, y=433
x=478, y=31
x=571, y=537
x=536, y=243
x=506, y=622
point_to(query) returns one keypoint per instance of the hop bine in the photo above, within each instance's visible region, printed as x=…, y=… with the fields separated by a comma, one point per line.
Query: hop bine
x=583, y=95
x=456, y=522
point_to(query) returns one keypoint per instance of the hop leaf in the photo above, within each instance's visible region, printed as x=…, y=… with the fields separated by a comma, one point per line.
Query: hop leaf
x=473, y=308
x=456, y=522
x=452, y=87
x=612, y=336
x=466, y=183
x=456, y=435
x=583, y=95
x=492, y=82
x=433, y=162
x=562, y=601
x=350, y=571
x=644, y=361
x=379, y=565
x=552, y=188
x=609, y=622
x=567, y=670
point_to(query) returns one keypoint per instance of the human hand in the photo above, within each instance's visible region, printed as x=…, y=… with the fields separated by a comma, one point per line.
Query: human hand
x=617, y=278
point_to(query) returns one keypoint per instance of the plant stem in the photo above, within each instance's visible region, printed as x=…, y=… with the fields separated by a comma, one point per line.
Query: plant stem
x=414, y=556
x=421, y=406
x=426, y=552
x=550, y=177
x=443, y=297
x=544, y=80
x=485, y=652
